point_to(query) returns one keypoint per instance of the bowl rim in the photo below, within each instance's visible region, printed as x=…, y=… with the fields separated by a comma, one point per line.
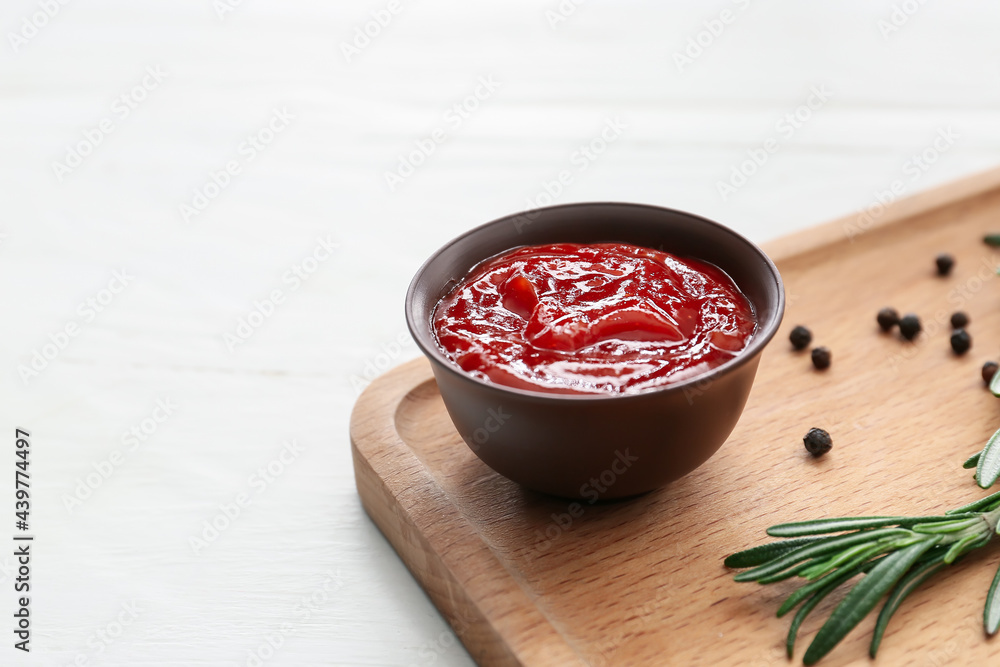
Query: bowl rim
x=766, y=331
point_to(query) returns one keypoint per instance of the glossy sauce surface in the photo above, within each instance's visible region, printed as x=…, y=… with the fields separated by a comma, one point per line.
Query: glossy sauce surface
x=597, y=318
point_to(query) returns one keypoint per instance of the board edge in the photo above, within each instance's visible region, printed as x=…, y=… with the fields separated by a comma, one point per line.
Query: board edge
x=846, y=228
x=387, y=509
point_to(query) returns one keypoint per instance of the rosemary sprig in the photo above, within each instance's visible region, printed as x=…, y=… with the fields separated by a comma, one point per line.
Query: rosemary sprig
x=894, y=555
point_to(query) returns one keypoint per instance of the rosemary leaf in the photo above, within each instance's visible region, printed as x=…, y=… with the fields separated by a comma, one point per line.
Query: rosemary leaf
x=765, y=552
x=977, y=506
x=805, y=591
x=790, y=572
x=918, y=575
x=863, y=597
x=973, y=460
x=959, y=548
x=830, y=583
x=818, y=548
x=995, y=384
x=988, y=467
x=821, y=526
x=964, y=546
x=942, y=527
x=861, y=552
x=991, y=614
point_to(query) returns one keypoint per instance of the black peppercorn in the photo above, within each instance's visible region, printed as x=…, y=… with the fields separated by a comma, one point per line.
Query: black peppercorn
x=989, y=370
x=800, y=337
x=945, y=263
x=959, y=320
x=961, y=341
x=887, y=318
x=821, y=358
x=909, y=326
x=818, y=442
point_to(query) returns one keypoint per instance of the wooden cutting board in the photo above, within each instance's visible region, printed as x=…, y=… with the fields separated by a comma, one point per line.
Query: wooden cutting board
x=641, y=582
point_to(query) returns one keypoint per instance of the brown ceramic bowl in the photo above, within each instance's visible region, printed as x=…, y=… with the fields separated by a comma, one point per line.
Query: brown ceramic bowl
x=598, y=447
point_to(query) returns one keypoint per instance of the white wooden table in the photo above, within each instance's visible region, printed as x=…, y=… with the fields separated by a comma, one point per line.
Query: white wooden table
x=202, y=257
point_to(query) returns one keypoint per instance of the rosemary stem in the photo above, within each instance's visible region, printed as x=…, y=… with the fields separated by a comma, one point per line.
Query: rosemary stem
x=992, y=519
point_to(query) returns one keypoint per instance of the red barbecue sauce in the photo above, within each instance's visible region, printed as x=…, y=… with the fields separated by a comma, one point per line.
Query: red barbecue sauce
x=599, y=318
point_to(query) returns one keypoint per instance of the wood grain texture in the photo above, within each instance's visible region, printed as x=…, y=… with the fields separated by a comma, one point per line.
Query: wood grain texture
x=641, y=582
